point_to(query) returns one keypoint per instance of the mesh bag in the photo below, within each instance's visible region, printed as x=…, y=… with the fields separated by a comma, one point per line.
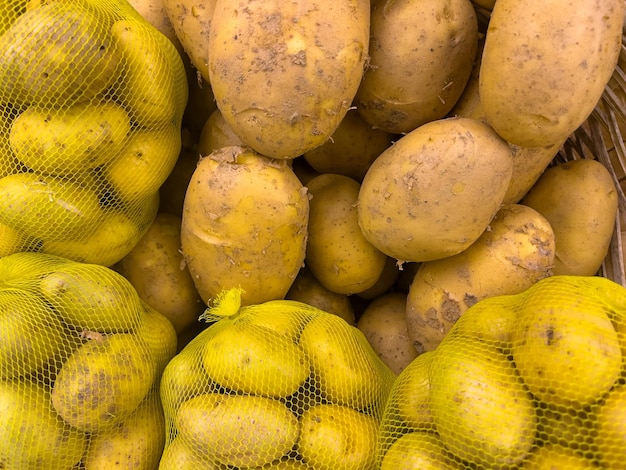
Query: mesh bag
x=529, y=380
x=91, y=106
x=279, y=384
x=81, y=358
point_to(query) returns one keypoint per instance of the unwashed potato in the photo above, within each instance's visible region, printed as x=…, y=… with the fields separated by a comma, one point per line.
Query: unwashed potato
x=156, y=269
x=383, y=322
x=516, y=251
x=284, y=74
x=155, y=13
x=579, y=200
x=433, y=193
x=416, y=74
x=244, y=224
x=543, y=71
x=215, y=134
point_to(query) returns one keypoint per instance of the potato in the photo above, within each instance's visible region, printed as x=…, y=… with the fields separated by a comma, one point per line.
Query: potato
x=191, y=20
x=155, y=13
x=32, y=436
x=556, y=456
x=386, y=281
x=579, y=200
x=68, y=141
x=416, y=74
x=306, y=288
x=482, y=411
x=418, y=450
x=284, y=74
x=383, y=322
x=433, y=193
x=76, y=57
x=352, y=148
x=156, y=269
x=149, y=156
x=337, y=253
x=216, y=133
x=519, y=245
x=252, y=359
x=335, y=437
x=178, y=455
x=48, y=208
x=103, y=381
x=158, y=335
x=137, y=441
x=610, y=422
x=172, y=191
x=244, y=224
x=237, y=430
x=544, y=71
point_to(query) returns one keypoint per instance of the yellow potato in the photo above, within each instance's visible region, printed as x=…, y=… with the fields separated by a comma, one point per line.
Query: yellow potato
x=71, y=140
x=285, y=73
x=610, y=422
x=215, y=134
x=156, y=269
x=237, y=430
x=386, y=281
x=172, y=191
x=32, y=436
x=155, y=13
x=178, y=455
x=12, y=241
x=418, y=451
x=244, y=224
x=337, y=253
x=145, y=162
x=383, y=322
x=543, y=71
x=335, y=437
x=158, y=335
x=550, y=456
x=519, y=246
x=579, y=200
x=434, y=192
x=416, y=74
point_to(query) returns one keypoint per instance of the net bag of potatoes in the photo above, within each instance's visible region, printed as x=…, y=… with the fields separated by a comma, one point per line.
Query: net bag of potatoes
x=529, y=380
x=81, y=358
x=91, y=106
x=278, y=384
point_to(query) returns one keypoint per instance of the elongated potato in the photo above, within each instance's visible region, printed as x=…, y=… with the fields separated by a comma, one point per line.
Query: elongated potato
x=285, y=73
x=244, y=224
x=544, y=68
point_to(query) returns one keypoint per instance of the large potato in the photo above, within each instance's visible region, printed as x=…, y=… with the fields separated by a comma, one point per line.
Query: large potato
x=433, y=193
x=244, y=224
x=416, y=74
x=337, y=253
x=544, y=68
x=285, y=73
x=519, y=246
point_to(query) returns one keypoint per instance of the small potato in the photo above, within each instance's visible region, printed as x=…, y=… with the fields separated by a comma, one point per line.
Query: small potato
x=238, y=430
x=284, y=74
x=244, y=225
x=386, y=281
x=178, y=455
x=418, y=451
x=550, y=456
x=610, y=419
x=519, y=245
x=433, y=193
x=155, y=267
x=335, y=437
x=416, y=74
x=383, y=322
x=216, y=133
x=337, y=253
x=155, y=13
x=71, y=140
x=579, y=200
x=543, y=70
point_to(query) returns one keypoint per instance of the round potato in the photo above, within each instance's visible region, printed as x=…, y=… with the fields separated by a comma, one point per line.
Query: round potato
x=284, y=74
x=337, y=253
x=418, y=451
x=215, y=134
x=434, y=192
x=416, y=74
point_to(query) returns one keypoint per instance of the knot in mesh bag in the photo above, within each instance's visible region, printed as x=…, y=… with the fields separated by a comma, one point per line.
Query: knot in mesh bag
x=81, y=358
x=274, y=384
x=529, y=380
x=91, y=108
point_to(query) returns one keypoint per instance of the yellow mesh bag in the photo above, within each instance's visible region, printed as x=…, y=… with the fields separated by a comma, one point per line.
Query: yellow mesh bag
x=81, y=358
x=531, y=380
x=279, y=384
x=91, y=105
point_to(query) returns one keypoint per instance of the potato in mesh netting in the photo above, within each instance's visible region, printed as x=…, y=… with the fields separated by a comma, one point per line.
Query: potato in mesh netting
x=521, y=381
x=86, y=140
x=81, y=357
x=272, y=384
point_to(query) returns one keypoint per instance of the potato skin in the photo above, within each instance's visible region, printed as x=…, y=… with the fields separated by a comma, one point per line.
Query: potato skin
x=244, y=224
x=416, y=74
x=543, y=72
x=434, y=192
x=285, y=73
